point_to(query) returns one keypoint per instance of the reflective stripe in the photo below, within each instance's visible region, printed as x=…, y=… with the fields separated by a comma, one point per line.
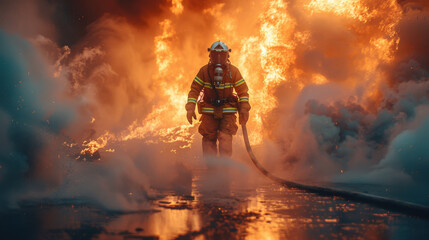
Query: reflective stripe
x=208, y=110
x=229, y=110
x=244, y=99
x=226, y=85
x=199, y=81
x=239, y=82
x=208, y=85
x=193, y=100
x=224, y=110
x=221, y=86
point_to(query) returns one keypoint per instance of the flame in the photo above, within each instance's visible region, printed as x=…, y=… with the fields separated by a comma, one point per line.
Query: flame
x=177, y=7
x=274, y=47
x=383, y=41
x=346, y=8
x=216, y=10
x=93, y=146
x=153, y=126
x=266, y=57
x=164, y=58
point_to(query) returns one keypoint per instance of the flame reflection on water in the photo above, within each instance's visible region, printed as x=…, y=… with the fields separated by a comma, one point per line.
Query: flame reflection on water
x=266, y=211
x=269, y=211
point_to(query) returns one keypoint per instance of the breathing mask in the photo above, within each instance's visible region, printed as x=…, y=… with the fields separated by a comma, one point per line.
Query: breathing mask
x=219, y=54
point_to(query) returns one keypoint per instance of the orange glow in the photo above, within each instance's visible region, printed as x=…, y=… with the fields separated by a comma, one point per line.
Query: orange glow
x=92, y=146
x=177, y=7
x=347, y=8
x=266, y=54
x=319, y=79
x=274, y=47
x=163, y=56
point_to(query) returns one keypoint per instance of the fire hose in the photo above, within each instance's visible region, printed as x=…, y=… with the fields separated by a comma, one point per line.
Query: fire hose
x=382, y=202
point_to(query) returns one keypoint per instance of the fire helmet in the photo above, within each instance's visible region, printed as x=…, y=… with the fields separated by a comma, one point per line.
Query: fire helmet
x=219, y=54
x=219, y=46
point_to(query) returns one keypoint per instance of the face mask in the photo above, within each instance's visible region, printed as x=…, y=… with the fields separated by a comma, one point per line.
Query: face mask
x=219, y=58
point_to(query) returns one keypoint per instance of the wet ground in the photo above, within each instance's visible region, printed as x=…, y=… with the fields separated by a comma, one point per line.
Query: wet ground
x=268, y=211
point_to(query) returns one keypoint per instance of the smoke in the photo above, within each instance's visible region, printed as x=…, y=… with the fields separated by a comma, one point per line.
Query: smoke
x=365, y=122
x=31, y=115
x=113, y=67
x=42, y=118
x=27, y=18
x=55, y=98
x=404, y=163
x=335, y=92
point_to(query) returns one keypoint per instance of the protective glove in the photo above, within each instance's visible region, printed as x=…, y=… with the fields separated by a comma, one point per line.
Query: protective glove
x=243, y=116
x=191, y=114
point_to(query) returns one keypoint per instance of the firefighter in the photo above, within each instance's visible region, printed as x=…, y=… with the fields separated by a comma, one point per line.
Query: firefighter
x=218, y=105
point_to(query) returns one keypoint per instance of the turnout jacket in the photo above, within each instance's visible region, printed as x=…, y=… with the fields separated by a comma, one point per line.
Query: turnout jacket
x=231, y=82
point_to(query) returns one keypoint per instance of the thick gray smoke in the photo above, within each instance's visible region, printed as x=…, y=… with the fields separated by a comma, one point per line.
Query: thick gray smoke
x=33, y=158
x=31, y=117
x=345, y=138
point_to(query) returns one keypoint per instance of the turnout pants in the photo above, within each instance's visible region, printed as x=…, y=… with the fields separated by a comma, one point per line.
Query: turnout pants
x=220, y=130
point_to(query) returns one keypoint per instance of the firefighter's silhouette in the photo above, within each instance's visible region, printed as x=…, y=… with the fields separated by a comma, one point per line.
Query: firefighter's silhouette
x=219, y=104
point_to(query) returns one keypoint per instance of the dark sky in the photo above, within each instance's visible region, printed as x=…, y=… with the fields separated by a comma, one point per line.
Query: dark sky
x=71, y=17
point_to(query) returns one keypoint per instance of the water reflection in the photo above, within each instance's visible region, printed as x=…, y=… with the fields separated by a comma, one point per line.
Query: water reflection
x=270, y=211
x=215, y=211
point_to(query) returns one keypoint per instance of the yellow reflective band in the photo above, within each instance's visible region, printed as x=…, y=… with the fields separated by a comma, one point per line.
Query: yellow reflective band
x=207, y=85
x=193, y=100
x=221, y=86
x=226, y=85
x=198, y=80
x=244, y=99
x=238, y=83
x=224, y=110
x=208, y=109
x=229, y=110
